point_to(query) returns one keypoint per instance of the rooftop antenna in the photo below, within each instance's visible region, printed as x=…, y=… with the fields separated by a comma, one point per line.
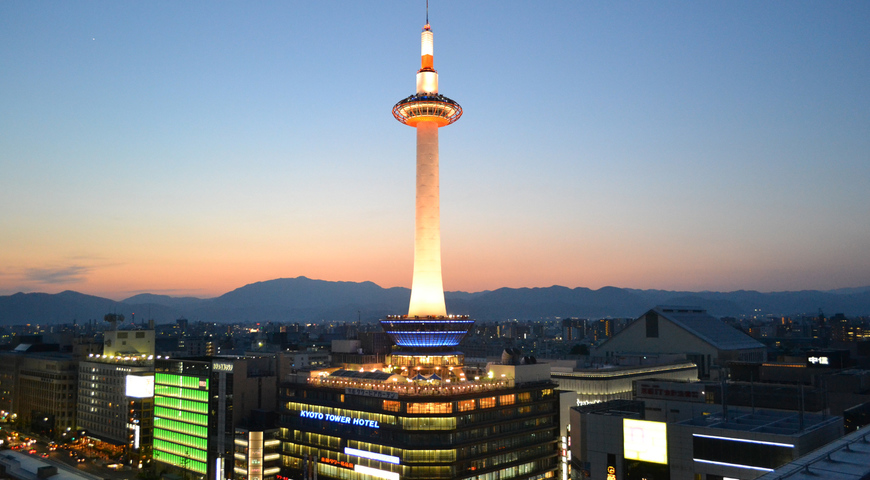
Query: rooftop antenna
x=427, y=12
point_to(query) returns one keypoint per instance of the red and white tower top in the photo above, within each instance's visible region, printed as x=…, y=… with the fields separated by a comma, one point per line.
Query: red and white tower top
x=426, y=105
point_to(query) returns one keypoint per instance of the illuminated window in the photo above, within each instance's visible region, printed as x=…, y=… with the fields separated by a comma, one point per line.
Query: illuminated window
x=487, y=402
x=429, y=423
x=525, y=397
x=507, y=399
x=429, y=456
x=465, y=405
x=392, y=405
x=430, y=407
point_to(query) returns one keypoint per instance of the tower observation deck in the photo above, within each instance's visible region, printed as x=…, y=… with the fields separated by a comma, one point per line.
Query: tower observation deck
x=427, y=111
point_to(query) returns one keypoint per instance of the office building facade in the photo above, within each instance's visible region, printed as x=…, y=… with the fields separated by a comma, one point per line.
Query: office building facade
x=198, y=404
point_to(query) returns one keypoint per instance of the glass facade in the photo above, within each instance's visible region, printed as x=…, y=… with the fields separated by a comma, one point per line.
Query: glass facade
x=181, y=421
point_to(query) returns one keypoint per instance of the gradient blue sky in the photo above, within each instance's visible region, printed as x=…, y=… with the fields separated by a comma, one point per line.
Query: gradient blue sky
x=190, y=148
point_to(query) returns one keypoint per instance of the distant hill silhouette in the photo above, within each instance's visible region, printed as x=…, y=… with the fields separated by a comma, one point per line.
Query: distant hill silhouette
x=305, y=300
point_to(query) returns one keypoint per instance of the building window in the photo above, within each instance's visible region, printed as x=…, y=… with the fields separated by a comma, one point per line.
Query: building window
x=392, y=405
x=465, y=405
x=487, y=402
x=431, y=407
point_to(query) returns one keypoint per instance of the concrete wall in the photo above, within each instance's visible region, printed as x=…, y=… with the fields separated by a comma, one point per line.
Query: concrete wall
x=537, y=372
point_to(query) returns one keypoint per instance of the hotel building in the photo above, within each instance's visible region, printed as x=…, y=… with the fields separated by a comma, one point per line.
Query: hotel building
x=422, y=416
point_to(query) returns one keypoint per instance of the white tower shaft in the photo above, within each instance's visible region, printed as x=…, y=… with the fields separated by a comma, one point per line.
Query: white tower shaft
x=427, y=289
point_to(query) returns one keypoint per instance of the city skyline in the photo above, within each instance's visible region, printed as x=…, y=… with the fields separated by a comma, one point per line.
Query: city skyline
x=173, y=149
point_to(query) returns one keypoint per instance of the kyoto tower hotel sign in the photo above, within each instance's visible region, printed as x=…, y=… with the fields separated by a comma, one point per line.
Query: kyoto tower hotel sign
x=427, y=111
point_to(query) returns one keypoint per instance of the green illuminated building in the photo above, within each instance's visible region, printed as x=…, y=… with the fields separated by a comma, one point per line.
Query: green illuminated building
x=198, y=404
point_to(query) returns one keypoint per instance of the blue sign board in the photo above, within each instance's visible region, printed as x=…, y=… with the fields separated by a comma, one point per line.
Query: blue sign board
x=339, y=419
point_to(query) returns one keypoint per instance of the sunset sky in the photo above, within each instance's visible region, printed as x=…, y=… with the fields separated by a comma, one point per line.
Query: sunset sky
x=190, y=148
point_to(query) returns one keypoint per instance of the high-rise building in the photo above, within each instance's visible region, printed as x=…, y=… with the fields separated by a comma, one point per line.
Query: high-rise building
x=47, y=393
x=573, y=329
x=116, y=391
x=423, y=414
x=198, y=405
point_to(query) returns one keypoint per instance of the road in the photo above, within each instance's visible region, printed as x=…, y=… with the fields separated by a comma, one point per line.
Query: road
x=61, y=457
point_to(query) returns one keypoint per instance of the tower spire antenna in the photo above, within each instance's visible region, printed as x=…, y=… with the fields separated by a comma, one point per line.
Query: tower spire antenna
x=427, y=12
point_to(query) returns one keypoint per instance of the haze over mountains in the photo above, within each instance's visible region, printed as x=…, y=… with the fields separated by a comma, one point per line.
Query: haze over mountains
x=305, y=300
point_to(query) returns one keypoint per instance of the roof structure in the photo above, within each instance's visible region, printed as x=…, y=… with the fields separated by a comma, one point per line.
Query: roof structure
x=763, y=421
x=845, y=459
x=708, y=328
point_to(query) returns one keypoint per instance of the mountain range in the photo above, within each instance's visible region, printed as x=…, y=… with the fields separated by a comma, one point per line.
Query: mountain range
x=304, y=300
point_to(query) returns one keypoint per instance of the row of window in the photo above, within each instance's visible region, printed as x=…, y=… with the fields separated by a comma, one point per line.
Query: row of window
x=326, y=441
x=180, y=427
x=181, y=462
x=178, y=392
x=521, y=471
x=495, y=445
x=181, y=439
x=180, y=415
x=183, y=450
x=407, y=456
x=180, y=380
x=504, y=458
x=504, y=428
x=366, y=403
x=505, y=413
x=180, y=404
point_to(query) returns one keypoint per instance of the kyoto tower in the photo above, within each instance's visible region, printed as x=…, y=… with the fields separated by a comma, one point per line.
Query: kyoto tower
x=427, y=111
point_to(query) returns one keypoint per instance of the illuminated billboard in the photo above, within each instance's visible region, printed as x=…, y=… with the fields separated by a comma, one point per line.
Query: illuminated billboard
x=645, y=441
x=140, y=386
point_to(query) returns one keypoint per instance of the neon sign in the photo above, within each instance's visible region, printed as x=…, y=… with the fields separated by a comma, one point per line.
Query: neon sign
x=819, y=360
x=339, y=419
x=337, y=463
